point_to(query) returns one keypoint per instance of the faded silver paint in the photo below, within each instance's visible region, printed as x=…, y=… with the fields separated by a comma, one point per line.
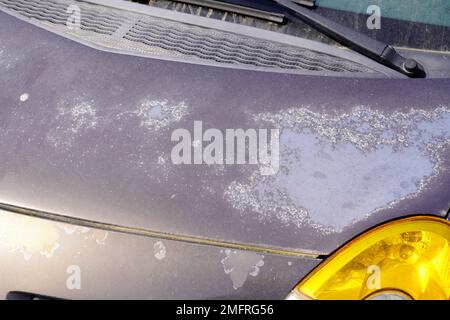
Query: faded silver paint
x=375, y=161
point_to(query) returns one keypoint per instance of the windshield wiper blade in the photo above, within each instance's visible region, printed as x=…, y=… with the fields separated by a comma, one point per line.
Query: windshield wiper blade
x=374, y=49
x=239, y=9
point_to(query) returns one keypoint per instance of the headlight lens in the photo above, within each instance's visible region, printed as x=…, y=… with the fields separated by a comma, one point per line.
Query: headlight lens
x=389, y=295
x=407, y=258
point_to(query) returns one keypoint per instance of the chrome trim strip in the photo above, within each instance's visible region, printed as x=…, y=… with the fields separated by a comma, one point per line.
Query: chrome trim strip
x=159, y=235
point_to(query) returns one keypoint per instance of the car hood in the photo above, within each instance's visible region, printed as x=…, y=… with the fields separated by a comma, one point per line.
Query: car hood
x=87, y=133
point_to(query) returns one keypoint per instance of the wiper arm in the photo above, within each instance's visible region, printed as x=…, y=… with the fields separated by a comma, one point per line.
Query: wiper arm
x=295, y=10
x=374, y=49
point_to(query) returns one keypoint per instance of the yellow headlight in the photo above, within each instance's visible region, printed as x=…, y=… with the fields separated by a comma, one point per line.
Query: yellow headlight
x=410, y=257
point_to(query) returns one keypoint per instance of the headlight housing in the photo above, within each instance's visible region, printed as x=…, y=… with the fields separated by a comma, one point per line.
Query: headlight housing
x=407, y=258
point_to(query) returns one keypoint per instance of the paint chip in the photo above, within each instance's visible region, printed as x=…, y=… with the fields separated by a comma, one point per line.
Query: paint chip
x=159, y=250
x=24, y=97
x=240, y=264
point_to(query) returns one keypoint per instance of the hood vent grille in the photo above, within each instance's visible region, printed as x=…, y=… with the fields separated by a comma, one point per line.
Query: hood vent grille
x=157, y=37
x=57, y=13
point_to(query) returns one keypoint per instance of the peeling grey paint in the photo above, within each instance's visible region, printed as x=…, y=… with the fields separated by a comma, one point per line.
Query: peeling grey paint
x=50, y=251
x=28, y=237
x=72, y=229
x=159, y=250
x=239, y=265
x=110, y=162
x=120, y=269
x=373, y=158
x=24, y=97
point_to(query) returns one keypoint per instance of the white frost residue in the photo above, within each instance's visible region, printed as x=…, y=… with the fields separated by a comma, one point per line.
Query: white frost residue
x=83, y=116
x=74, y=119
x=336, y=170
x=157, y=114
x=240, y=264
x=161, y=160
x=159, y=250
x=9, y=61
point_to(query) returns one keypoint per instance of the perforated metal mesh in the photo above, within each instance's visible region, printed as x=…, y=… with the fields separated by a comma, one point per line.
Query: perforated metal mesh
x=154, y=36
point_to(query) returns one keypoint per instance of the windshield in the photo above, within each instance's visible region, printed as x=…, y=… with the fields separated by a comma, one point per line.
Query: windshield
x=420, y=24
x=416, y=24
